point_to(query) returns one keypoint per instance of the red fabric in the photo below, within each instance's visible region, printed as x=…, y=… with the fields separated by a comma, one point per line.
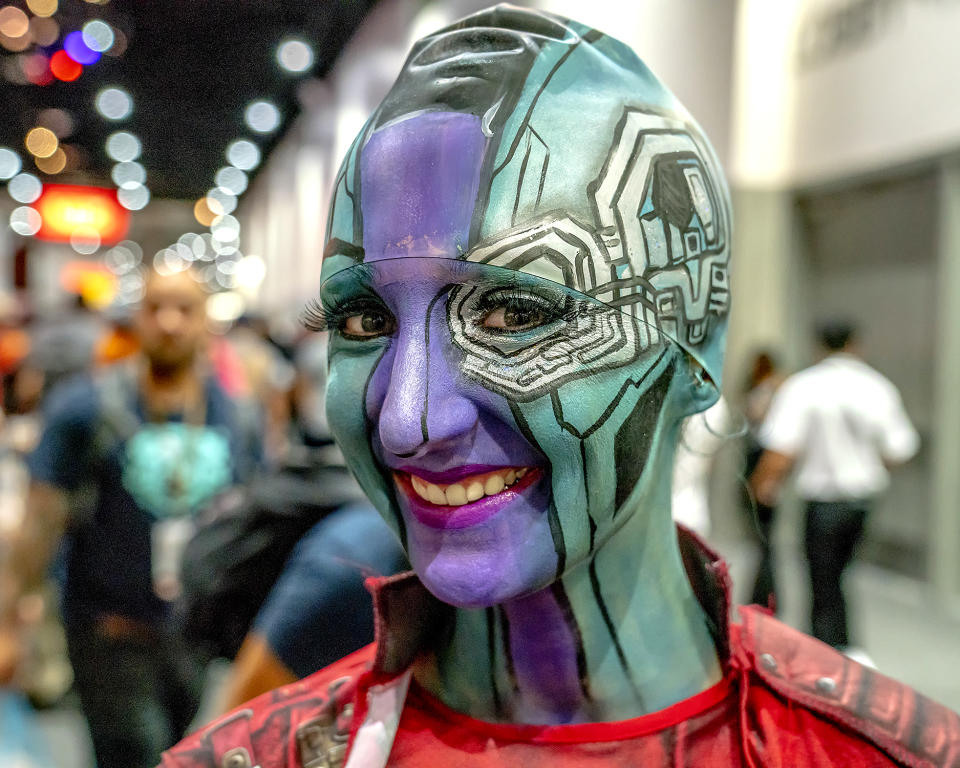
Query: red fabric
x=787, y=701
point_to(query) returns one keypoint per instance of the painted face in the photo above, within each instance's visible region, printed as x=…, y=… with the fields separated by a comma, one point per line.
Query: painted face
x=513, y=317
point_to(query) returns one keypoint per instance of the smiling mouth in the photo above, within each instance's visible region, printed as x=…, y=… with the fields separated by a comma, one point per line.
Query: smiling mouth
x=468, y=489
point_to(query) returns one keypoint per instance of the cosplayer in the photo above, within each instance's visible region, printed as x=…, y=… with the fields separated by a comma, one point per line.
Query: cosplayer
x=525, y=283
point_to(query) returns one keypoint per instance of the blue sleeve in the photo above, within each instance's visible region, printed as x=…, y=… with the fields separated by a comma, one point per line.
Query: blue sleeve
x=319, y=610
x=62, y=457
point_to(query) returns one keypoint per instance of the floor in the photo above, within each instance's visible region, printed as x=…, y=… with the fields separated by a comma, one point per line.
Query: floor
x=895, y=618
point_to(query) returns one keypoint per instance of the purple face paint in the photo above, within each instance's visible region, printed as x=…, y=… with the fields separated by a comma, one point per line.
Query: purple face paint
x=435, y=158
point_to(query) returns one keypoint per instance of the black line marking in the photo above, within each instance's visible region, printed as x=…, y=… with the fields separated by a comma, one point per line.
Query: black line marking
x=384, y=473
x=560, y=595
x=543, y=170
x=507, y=652
x=558, y=406
x=612, y=630
x=586, y=490
x=492, y=654
x=553, y=517
x=426, y=335
x=523, y=170
x=355, y=195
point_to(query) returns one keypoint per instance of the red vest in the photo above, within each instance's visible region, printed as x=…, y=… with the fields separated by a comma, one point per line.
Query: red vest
x=785, y=700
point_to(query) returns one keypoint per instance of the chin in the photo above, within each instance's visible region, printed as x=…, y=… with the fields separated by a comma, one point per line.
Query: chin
x=479, y=579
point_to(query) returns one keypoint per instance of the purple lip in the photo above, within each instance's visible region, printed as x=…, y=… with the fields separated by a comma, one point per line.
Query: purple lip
x=444, y=517
x=449, y=476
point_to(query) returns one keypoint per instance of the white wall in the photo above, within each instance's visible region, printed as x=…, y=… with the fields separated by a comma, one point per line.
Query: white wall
x=829, y=88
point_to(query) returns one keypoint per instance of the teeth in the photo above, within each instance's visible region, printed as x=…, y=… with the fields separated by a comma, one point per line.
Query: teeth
x=458, y=494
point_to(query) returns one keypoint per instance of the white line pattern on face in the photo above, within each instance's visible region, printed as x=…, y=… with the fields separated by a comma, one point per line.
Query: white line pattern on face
x=468, y=489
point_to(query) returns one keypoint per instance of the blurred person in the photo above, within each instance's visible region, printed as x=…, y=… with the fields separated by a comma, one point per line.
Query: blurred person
x=525, y=282
x=319, y=610
x=119, y=340
x=840, y=424
x=760, y=387
x=127, y=457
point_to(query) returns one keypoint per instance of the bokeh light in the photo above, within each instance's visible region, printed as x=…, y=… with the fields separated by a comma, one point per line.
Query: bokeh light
x=57, y=120
x=98, y=36
x=85, y=240
x=114, y=103
x=128, y=175
x=243, y=154
x=225, y=228
x=9, y=163
x=36, y=68
x=41, y=142
x=123, y=146
x=262, y=116
x=54, y=164
x=64, y=68
x=135, y=198
x=42, y=8
x=124, y=257
x=24, y=188
x=202, y=212
x=15, y=44
x=13, y=22
x=231, y=179
x=25, y=221
x=78, y=50
x=295, y=55
x=44, y=32
x=119, y=46
x=221, y=200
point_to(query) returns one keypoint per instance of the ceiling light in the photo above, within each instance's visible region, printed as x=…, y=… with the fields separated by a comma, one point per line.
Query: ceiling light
x=64, y=68
x=231, y=179
x=128, y=175
x=98, y=35
x=262, y=116
x=123, y=147
x=41, y=142
x=78, y=50
x=57, y=120
x=295, y=55
x=9, y=163
x=135, y=198
x=243, y=154
x=225, y=228
x=114, y=103
x=221, y=201
x=42, y=7
x=44, y=31
x=13, y=22
x=25, y=221
x=202, y=212
x=24, y=187
x=54, y=164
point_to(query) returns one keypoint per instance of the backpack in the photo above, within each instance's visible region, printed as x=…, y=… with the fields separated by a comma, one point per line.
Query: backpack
x=242, y=541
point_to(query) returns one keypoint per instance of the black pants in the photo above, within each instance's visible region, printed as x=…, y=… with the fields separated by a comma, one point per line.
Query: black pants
x=765, y=582
x=833, y=530
x=138, y=695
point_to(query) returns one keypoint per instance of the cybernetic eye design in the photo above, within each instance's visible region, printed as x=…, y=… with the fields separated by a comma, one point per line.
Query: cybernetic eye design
x=356, y=319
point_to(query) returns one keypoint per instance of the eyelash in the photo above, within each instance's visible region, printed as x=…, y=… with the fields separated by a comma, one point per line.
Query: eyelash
x=554, y=307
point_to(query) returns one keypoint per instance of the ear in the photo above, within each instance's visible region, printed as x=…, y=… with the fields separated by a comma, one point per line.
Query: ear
x=703, y=390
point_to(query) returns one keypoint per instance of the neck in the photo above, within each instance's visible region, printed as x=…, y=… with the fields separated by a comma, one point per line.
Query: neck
x=619, y=636
x=170, y=388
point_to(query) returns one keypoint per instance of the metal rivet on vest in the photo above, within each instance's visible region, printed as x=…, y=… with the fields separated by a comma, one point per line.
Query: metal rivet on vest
x=236, y=758
x=826, y=685
x=768, y=661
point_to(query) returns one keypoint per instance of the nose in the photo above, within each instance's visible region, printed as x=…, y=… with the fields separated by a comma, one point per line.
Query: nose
x=169, y=319
x=425, y=408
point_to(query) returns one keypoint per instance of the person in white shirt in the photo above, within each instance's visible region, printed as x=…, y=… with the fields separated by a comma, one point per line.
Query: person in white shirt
x=840, y=425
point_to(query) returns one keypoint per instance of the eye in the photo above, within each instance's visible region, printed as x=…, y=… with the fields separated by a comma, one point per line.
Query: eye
x=515, y=312
x=367, y=323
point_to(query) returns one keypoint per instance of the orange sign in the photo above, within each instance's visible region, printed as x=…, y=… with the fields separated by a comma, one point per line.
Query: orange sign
x=67, y=209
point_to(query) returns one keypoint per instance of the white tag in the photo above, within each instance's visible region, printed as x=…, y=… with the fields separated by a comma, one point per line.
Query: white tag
x=168, y=539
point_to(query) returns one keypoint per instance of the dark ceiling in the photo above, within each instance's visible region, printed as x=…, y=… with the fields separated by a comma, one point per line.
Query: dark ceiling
x=191, y=67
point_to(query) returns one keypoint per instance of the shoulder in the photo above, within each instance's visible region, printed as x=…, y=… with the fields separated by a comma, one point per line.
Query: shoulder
x=75, y=401
x=867, y=707
x=310, y=719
